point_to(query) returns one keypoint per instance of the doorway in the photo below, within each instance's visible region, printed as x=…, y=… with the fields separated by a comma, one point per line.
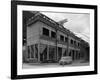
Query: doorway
x=59, y=53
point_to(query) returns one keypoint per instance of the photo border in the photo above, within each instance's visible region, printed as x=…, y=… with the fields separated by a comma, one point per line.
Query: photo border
x=14, y=5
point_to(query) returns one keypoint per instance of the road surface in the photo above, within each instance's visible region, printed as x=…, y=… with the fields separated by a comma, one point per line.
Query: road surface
x=45, y=65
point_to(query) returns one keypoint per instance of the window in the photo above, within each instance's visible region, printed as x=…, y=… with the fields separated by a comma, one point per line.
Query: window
x=53, y=34
x=45, y=32
x=78, y=44
x=61, y=38
x=66, y=39
x=75, y=42
x=71, y=41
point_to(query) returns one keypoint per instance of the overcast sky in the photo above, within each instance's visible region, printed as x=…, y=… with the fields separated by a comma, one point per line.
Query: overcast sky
x=77, y=23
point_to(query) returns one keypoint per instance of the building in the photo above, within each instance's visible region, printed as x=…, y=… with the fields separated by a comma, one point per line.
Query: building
x=47, y=40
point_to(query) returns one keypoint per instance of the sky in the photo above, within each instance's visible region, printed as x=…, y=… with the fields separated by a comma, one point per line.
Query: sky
x=76, y=22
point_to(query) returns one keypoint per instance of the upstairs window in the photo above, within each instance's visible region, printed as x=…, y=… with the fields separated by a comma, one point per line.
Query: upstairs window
x=71, y=41
x=66, y=39
x=61, y=38
x=53, y=34
x=45, y=32
x=75, y=42
x=78, y=44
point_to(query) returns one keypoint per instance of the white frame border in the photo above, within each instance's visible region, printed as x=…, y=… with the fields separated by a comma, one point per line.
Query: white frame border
x=21, y=71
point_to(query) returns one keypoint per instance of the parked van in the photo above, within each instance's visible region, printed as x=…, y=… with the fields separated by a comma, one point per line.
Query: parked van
x=65, y=60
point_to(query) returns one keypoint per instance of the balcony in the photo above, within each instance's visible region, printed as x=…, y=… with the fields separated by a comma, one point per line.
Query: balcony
x=47, y=38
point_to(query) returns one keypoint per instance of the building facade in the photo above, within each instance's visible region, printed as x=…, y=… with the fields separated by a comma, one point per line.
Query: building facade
x=47, y=40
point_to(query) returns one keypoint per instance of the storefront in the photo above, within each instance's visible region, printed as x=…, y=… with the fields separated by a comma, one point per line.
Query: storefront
x=75, y=54
x=47, y=53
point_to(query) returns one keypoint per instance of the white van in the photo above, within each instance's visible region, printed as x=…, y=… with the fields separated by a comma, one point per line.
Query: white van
x=65, y=60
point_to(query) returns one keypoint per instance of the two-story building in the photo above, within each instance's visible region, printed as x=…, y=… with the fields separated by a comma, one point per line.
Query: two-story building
x=47, y=40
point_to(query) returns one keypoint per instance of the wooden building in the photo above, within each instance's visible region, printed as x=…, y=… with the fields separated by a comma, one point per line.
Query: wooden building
x=46, y=40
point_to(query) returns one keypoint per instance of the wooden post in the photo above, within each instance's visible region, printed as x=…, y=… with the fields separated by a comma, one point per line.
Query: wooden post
x=47, y=52
x=57, y=53
x=75, y=54
x=68, y=44
x=34, y=51
x=27, y=51
x=39, y=52
x=62, y=52
x=30, y=51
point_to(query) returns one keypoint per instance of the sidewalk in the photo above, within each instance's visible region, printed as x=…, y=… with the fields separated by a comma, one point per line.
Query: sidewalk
x=46, y=65
x=78, y=61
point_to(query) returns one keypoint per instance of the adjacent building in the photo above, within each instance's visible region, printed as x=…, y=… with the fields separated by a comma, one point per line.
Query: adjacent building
x=46, y=40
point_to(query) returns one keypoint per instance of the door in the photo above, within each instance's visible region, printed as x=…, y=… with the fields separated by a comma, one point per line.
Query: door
x=52, y=53
x=43, y=55
x=59, y=53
